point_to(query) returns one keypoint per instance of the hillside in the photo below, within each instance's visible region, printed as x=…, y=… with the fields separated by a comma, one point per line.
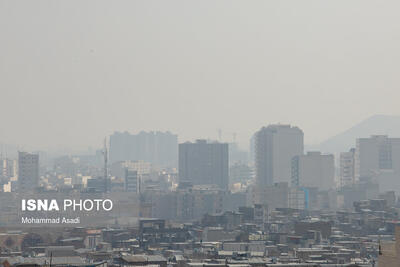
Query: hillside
x=374, y=125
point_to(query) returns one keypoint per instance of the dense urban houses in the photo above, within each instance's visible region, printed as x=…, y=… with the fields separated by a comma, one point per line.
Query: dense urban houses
x=288, y=209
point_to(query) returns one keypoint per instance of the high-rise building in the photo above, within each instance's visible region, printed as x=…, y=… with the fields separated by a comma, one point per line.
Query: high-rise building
x=314, y=170
x=275, y=146
x=347, y=168
x=28, y=171
x=377, y=153
x=252, y=149
x=204, y=163
x=158, y=148
x=378, y=158
x=131, y=181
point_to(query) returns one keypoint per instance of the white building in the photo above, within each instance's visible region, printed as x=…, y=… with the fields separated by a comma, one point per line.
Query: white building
x=314, y=170
x=274, y=196
x=378, y=158
x=280, y=195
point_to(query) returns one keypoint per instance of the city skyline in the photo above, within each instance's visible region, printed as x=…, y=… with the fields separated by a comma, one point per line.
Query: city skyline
x=339, y=142
x=204, y=133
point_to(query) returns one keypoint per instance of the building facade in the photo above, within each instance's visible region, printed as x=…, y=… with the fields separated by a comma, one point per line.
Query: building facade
x=314, y=170
x=275, y=146
x=389, y=252
x=131, y=181
x=117, y=169
x=28, y=171
x=204, y=163
x=378, y=158
x=159, y=148
x=274, y=196
x=347, y=168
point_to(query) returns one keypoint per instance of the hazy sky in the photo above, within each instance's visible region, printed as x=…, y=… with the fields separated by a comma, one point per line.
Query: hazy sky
x=72, y=72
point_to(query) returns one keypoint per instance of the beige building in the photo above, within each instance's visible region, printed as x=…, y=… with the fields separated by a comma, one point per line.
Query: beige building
x=378, y=158
x=314, y=170
x=389, y=255
x=274, y=196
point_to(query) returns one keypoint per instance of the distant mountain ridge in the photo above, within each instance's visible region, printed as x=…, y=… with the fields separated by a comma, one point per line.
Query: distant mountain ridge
x=374, y=125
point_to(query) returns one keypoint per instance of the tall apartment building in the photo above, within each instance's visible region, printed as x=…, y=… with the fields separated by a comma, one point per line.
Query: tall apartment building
x=203, y=162
x=275, y=146
x=379, y=152
x=314, y=170
x=347, y=168
x=378, y=157
x=160, y=148
x=28, y=171
x=131, y=181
